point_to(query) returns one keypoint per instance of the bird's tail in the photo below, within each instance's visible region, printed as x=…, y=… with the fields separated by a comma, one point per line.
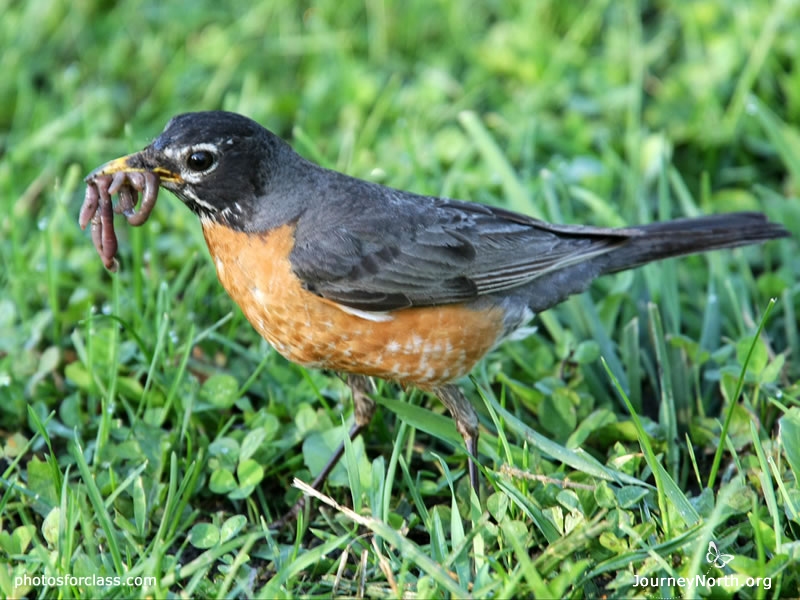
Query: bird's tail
x=688, y=236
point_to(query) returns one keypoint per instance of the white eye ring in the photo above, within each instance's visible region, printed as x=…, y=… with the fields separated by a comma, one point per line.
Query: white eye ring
x=201, y=160
x=198, y=161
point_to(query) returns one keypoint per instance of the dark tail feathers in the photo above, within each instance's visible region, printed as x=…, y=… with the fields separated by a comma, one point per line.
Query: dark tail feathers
x=689, y=236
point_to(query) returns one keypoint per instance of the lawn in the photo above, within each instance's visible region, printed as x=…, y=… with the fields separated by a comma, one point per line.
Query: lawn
x=644, y=441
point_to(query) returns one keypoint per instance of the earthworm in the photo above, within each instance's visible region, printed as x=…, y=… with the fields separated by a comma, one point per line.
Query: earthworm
x=128, y=184
x=107, y=234
x=126, y=195
x=89, y=206
x=98, y=208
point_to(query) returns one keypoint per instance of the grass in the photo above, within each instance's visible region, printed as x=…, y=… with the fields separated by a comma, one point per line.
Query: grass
x=148, y=432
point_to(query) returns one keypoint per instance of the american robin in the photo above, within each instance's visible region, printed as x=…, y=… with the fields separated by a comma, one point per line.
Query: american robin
x=344, y=274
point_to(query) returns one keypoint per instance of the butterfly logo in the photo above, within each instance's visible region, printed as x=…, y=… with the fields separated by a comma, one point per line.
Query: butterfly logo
x=717, y=559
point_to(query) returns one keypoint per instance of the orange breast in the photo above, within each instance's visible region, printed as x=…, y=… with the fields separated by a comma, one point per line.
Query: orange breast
x=425, y=347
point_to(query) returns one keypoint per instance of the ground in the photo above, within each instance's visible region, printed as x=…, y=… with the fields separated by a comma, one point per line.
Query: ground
x=148, y=432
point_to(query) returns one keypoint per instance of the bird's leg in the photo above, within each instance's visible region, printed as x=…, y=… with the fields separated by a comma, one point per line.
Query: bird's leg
x=364, y=407
x=466, y=423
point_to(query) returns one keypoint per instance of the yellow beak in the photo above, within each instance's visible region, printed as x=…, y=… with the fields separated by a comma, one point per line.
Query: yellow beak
x=134, y=163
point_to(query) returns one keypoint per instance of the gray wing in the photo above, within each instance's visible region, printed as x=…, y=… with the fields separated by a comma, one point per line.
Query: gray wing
x=421, y=251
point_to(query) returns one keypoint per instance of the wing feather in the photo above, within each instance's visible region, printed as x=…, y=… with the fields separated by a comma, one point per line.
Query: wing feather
x=422, y=251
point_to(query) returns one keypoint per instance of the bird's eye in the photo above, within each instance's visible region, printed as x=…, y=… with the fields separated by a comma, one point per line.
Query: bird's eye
x=200, y=160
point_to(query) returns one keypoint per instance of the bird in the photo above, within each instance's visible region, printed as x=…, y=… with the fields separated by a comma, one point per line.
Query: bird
x=369, y=281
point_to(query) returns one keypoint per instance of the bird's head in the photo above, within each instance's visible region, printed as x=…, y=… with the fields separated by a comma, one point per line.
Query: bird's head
x=222, y=165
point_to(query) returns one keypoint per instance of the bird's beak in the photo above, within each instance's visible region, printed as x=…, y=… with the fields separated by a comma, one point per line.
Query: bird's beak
x=134, y=163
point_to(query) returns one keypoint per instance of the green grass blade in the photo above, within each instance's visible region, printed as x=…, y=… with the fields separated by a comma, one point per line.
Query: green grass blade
x=739, y=387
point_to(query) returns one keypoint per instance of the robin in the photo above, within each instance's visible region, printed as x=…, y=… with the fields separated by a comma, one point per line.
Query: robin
x=348, y=275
